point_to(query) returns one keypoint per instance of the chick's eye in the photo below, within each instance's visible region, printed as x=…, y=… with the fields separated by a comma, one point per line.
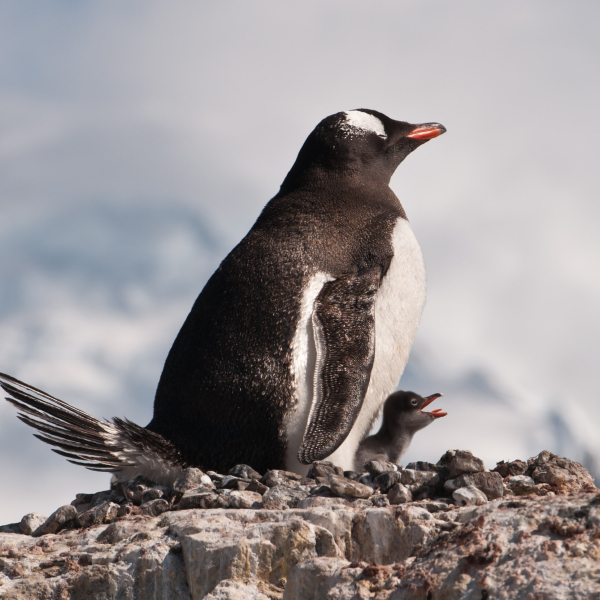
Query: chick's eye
x=414, y=402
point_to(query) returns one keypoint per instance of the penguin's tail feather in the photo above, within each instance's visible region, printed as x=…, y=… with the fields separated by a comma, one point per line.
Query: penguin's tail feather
x=118, y=446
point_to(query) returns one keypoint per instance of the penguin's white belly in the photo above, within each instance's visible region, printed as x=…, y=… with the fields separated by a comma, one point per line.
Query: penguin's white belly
x=398, y=309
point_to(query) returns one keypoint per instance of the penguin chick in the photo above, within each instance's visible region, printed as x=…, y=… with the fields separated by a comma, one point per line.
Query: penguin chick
x=403, y=416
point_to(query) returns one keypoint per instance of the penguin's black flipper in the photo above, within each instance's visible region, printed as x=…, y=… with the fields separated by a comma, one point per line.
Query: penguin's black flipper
x=344, y=326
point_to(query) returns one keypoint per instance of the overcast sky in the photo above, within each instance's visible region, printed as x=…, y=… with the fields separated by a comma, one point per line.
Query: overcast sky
x=140, y=140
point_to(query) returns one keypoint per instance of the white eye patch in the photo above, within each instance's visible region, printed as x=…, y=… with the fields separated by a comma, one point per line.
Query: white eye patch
x=361, y=122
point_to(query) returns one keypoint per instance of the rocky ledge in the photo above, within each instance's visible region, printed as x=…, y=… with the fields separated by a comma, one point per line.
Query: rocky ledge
x=526, y=529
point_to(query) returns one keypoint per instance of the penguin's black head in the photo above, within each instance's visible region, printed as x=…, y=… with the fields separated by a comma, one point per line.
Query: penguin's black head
x=403, y=411
x=359, y=143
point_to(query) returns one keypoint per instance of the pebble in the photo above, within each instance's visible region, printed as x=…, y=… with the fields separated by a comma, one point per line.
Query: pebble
x=521, y=485
x=341, y=486
x=245, y=499
x=191, y=478
x=489, y=482
x=155, y=507
x=30, y=522
x=59, y=519
x=399, y=494
x=386, y=480
x=323, y=468
x=461, y=461
x=102, y=513
x=281, y=497
x=244, y=472
x=378, y=467
x=469, y=495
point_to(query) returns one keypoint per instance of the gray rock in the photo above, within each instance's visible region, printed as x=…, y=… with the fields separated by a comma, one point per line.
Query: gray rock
x=230, y=482
x=489, y=482
x=318, y=501
x=257, y=486
x=323, y=468
x=191, y=478
x=412, y=477
x=244, y=472
x=245, y=499
x=511, y=468
x=561, y=473
x=278, y=477
x=469, y=495
x=377, y=467
x=197, y=499
x=399, y=494
x=152, y=494
x=281, y=497
x=155, y=507
x=57, y=520
x=522, y=485
x=461, y=461
x=11, y=528
x=421, y=465
x=386, y=480
x=103, y=513
x=30, y=522
x=379, y=500
x=341, y=486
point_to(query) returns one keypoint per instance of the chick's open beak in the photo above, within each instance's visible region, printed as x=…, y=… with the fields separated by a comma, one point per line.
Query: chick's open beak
x=438, y=411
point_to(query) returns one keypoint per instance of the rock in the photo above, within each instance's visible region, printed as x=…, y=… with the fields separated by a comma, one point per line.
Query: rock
x=151, y=494
x=323, y=468
x=521, y=485
x=281, y=497
x=11, y=528
x=103, y=513
x=341, y=486
x=30, y=522
x=423, y=466
x=399, y=494
x=379, y=500
x=257, y=486
x=562, y=473
x=244, y=472
x=153, y=507
x=507, y=469
x=318, y=501
x=412, y=477
x=198, y=499
x=378, y=467
x=469, y=495
x=245, y=499
x=279, y=477
x=191, y=478
x=461, y=461
x=57, y=520
x=386, y=480
x=230, y=482
x=489, y=482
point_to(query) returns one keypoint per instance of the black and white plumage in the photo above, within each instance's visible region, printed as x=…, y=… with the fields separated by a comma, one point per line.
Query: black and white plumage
x=403, y=416
x=305, y=328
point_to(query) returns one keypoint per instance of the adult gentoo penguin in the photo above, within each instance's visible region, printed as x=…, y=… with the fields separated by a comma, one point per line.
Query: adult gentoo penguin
x=302, y=332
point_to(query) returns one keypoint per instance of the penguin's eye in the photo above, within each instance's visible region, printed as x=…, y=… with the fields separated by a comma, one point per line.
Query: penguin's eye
x=414, y=401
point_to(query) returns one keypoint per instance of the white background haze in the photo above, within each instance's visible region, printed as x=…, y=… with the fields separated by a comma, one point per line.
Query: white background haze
x=140, y=140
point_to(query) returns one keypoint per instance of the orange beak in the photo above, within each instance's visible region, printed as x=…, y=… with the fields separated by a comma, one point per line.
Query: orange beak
x=437, y=413
x=426, y=131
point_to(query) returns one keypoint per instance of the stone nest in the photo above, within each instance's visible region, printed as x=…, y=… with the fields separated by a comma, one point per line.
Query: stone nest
x=457, y=479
